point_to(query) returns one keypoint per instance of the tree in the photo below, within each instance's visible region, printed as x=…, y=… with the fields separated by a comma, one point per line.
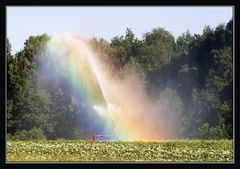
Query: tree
x=20, y=77
x=190, y=78
x=17, y=82
x=221, y=82
x=33, y=134
x=182, y=46
x=34, y=111
x=34, y=46
x=125, y=47
x=10, y=78
x=171, y=113
x=157, y=48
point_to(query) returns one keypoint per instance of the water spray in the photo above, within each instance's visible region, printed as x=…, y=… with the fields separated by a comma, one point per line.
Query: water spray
x=121, y=106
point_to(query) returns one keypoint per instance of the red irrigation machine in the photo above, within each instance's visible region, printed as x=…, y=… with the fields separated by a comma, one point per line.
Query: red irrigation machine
x=103, y=137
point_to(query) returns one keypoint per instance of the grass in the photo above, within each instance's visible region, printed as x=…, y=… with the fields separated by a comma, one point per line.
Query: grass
x=135, y=151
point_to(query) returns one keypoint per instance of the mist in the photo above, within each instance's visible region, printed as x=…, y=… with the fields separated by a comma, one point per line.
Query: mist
x=113, y=104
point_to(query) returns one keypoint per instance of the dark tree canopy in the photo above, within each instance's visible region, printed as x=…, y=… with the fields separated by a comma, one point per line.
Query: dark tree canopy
x=194, y=73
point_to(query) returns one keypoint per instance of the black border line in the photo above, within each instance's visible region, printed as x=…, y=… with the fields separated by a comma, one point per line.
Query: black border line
x=236, y=17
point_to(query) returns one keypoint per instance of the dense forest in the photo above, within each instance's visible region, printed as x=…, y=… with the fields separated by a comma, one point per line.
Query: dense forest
x=193, y=72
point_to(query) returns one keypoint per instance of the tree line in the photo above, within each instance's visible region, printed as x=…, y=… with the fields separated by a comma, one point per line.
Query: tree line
x=194, y=73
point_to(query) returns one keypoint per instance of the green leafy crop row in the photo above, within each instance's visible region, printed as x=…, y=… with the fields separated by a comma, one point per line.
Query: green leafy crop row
x=166, y=151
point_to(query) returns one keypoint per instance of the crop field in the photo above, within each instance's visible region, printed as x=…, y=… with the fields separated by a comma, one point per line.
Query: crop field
x=120, y=151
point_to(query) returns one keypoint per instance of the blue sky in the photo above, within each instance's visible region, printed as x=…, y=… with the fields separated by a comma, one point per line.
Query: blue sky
x=107, y=22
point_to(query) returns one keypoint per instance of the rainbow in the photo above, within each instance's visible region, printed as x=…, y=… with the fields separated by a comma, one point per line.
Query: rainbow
x=118, y=105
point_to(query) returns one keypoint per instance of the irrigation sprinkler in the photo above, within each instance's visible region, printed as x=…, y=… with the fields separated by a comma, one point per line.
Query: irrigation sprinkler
x=99, y=137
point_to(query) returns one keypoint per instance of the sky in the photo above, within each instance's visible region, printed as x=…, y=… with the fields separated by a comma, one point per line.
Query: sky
x=107, y=22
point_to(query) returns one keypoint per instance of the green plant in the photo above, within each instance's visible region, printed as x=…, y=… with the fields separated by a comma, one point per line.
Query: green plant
x=33, y=134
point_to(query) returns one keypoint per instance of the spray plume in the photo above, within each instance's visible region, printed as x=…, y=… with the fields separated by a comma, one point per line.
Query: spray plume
x=118, y=104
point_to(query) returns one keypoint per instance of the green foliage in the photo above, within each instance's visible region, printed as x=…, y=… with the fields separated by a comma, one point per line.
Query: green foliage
x=34, y=46
x=171, y=107
x=20, y=70
x=166, y=151
x=9, y=137
x=124, y=48
x=208, y=132
x=182, y=46
x=221, y=75
x=191, y=77
x=32, y=134
x=157, y=48
x=34, y=111
x=133, y=65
